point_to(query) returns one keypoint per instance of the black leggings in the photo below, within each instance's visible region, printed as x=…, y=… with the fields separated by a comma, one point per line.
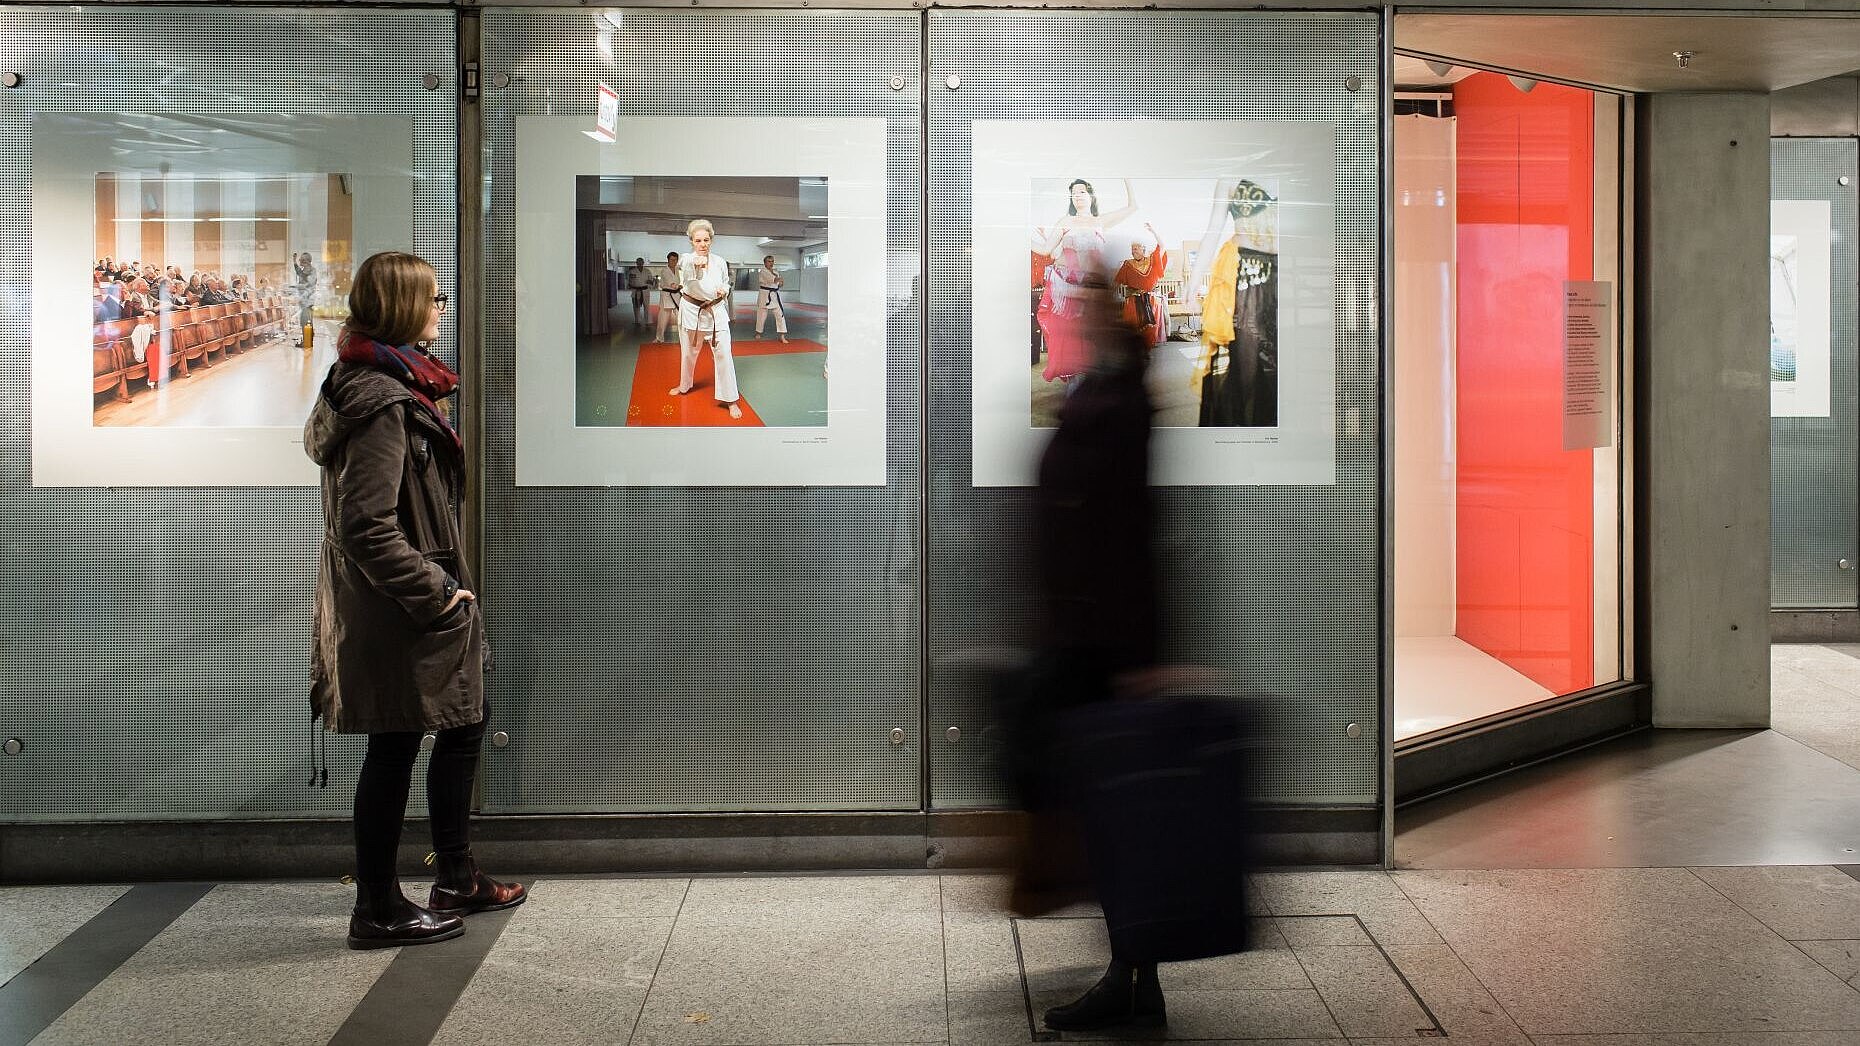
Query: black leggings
x=381, y=795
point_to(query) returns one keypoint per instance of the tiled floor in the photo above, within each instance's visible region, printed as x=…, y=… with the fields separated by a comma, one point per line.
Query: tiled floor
x=1653, y=894
x=1570, y=957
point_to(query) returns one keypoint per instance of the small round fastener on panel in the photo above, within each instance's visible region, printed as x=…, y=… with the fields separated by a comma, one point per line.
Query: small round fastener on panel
x=10, y=79
x=1353, y=730
x=430, y=81
x=14, y=746
x=501, y=739
x=897, y=735
x=952, y=81
x=1847, y=564
x=1352, y=84
x=500, y=80
x=954, y=734
x=897, y=83
x=1843, y=180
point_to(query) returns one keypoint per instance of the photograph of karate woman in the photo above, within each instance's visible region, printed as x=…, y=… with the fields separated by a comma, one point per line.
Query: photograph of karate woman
x=700, y=301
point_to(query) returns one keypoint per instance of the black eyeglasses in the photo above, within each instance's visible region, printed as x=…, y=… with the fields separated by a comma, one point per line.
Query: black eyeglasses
x=441, y=300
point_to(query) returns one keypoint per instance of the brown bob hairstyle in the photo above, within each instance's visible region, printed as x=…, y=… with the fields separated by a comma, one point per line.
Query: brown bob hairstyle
x=391, y=298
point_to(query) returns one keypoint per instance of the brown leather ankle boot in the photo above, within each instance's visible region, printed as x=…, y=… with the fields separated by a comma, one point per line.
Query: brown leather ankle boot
x=460, y=888
x=385, y=918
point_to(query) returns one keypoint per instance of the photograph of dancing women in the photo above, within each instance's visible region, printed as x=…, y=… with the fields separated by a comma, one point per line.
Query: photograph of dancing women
x=680, y=351
x=1193, y=264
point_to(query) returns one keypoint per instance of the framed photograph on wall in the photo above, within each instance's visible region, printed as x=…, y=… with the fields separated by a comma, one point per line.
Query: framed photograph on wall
x=701, y=317
x=1214, y=238
x=205, y=263
x=1801, y=308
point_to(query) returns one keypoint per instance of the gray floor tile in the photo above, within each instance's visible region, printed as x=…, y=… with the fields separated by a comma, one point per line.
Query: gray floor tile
x=605, y=898
x=975, y=894
x=247, y=965
x=1227, y=1015
x=1842, y=958
x=1365, y=995
x=1270, y=964
x=35, y=918
x=1818, y=903
x=1321, y=931
x=555, y=981
x=1704, y=1039
x=796, y=974
x=978, y=953
x=988, y=1019
x=1627, y=950
x=1459, y=1002
x=1371, y=896
x=874, y=894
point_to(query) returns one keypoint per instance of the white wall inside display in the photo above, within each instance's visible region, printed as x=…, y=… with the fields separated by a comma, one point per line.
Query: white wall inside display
x=1801, y=262
x=1294, y=161
x=69, y=151
x=848, y=451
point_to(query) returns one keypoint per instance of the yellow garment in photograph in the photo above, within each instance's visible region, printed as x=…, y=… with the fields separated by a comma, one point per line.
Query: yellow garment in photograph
x=1217, y=307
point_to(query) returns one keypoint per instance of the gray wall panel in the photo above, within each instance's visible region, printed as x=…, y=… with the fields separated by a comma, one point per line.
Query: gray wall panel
x=718, y=648
x=1279, y=585
x=156, y=650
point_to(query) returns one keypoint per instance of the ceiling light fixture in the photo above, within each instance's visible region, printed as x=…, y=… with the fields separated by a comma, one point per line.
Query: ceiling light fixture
x=1523, y=83
x=1684, y=58
x=1439, y=68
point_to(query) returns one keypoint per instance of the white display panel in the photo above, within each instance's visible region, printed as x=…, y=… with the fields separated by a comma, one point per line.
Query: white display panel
x=1801, y=339
x=236, y=421
x=1179, y=173
x=847, y=450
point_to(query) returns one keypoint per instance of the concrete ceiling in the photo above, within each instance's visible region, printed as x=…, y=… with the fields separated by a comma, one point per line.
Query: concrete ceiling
x=1635, y=52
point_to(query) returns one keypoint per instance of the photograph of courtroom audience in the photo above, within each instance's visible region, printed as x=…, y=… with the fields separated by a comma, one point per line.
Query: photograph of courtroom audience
x=216, y=301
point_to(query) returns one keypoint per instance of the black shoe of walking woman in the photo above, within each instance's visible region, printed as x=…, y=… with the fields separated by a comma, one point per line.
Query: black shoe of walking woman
x=1122, y=997
x=385, y=918
x=459, y=888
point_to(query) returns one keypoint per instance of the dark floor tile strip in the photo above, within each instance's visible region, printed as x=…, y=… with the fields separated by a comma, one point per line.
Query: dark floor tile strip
x=42, y=992
x=1853, y=870
x=416, y=993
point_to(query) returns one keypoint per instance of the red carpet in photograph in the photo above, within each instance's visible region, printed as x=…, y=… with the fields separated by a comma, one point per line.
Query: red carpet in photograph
x=657, y=373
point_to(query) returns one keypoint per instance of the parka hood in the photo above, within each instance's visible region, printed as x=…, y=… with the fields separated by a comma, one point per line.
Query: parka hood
x=352, y=393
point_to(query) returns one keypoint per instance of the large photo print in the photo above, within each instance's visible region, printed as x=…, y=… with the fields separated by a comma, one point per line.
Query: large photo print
x=701, y=301
x=705, y=317
x=189, y=275
x=1214, y=240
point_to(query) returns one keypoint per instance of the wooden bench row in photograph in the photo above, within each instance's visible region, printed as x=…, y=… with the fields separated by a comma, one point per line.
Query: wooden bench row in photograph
x=177, y=339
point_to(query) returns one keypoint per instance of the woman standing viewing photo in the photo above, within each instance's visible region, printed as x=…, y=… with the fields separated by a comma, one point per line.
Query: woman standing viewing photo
x=399, y=644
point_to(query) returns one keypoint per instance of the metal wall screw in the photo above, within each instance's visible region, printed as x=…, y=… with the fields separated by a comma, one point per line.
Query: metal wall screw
x=1843, y=179
x=10, y=80
x=1353, y=730
x=1353, y=83
x=952, y=81
x=954, y=734
x=501, y=739
x=500, y=80
x=897, y=735
x=14, y=746
x=430, y=81
x=1847, y=564
x=897, y=83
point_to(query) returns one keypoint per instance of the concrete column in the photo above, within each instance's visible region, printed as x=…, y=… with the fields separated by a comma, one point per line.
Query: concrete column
x=1705, y=346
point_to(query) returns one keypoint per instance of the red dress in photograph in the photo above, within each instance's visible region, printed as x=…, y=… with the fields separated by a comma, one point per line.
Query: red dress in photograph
x=1145, y=309
x=1061, y=315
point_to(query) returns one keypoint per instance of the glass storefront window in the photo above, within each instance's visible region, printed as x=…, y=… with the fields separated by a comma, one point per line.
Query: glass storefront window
x=1506, y=400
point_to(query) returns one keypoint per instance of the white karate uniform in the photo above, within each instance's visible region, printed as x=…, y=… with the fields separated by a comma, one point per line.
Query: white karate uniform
x=768, y=299
x=668, y=301
x=694, y=323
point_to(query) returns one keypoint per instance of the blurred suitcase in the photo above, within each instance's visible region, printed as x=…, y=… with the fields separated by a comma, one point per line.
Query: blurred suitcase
x=1161, y=789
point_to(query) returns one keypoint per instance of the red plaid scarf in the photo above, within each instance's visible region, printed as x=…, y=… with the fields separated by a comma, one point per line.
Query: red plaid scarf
x=425, y=376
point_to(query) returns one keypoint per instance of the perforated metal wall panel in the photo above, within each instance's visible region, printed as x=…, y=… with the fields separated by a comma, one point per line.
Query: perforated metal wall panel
x=155, y=650
x=719, y=648
x=1280, y=585
x=1815, y=462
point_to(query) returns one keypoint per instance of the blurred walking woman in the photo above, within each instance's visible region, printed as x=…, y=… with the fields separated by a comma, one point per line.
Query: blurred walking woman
x=399, y=643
